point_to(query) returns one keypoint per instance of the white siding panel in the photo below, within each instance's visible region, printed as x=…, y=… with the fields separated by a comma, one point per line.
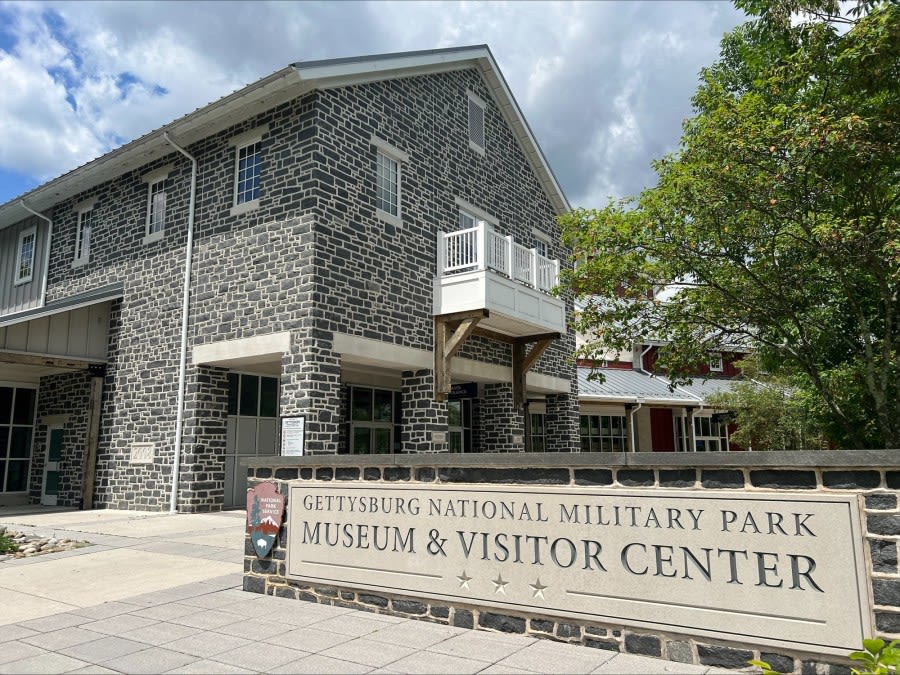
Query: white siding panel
x=17, y=337
x=38, y=334
x=59, y=334
x=78, y=331
x=98, y=330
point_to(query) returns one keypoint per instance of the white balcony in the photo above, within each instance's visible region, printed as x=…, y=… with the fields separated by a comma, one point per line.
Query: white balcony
x=478, y=268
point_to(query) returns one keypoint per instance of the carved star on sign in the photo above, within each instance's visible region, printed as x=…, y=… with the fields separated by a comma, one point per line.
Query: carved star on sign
x=538, y=589
x=464, y=580
x=499, y=584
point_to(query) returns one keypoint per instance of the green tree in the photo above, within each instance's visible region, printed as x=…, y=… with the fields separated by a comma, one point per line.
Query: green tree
x=771, y=412
x=775, y=225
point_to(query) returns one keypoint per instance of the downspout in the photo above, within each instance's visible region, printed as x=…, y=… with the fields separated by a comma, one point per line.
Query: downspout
x=185, y=305
x=640, y=403
x=46, y=270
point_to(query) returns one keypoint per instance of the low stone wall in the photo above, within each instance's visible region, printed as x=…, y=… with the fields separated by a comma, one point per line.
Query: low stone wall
x=873, y=476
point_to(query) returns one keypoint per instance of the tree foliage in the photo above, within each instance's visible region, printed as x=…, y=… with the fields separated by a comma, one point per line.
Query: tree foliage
x=775, y=225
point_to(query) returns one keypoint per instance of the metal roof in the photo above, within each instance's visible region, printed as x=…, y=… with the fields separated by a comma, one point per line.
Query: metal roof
x=627, y=386
x=279, y=87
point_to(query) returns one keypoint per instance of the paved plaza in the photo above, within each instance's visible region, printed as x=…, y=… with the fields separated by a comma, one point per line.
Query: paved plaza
x=161, y=593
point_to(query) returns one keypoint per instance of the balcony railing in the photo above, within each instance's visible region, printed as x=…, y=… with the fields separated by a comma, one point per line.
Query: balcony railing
x=479, y=248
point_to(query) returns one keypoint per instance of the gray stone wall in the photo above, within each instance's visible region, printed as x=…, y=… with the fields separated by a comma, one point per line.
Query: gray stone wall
x=313, y=260
x=874, y=477
x=65, y=395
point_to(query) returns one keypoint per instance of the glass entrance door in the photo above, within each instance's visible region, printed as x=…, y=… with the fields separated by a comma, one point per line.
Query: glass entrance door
x=252, y=429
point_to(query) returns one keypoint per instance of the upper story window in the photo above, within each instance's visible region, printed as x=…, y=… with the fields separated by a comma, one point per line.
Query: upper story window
x=83, y=230
x=715, y=363
x=248, y=169
x=25, y=251
x=156, y=207
x=388, y=181
x=387, y=185
x=246, y=187
x=155, y=225
x=541, y=246
x=476, y=123
x=83, y=237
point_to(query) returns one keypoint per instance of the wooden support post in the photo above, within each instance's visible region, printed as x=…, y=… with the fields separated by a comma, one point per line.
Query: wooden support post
x=518, y=373
x=446, y=344
x=522, y=363
x=93, y=439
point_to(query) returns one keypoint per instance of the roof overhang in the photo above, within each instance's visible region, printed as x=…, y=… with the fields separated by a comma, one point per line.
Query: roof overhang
x=279, y=87
x=104, y=294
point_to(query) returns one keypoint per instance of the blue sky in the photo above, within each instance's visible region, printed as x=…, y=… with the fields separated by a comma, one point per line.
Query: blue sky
x=604, y=85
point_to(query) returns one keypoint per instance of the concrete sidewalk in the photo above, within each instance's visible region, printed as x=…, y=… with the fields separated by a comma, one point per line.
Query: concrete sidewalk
x=161, y=593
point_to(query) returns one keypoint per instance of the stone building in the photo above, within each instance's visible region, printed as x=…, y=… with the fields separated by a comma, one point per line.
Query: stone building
x=347, y=256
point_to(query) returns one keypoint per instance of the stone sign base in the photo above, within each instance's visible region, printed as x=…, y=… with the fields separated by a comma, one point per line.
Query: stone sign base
x=870, y=478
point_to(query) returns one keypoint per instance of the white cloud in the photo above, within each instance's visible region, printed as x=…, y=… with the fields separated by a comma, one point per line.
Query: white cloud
x=603, y=85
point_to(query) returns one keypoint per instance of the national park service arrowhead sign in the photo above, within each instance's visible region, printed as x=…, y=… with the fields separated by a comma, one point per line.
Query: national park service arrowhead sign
x=265, y=509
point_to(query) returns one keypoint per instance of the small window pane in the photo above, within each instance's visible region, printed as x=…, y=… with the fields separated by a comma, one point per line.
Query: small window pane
x=249, y=395
x=6, y=397
x=51, y=487
x=361, y=441
x=232, y=393
x=454, y=414
x=23, y=413
x=17, y=477
x=383, y=404
x=454, y=441
x=362, y=405
x=4, y=444
x=383, y=441
x=20, y=447
x=268, y=400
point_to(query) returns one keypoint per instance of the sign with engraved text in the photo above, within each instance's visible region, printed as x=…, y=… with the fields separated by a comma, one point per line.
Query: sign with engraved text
x=776, y=569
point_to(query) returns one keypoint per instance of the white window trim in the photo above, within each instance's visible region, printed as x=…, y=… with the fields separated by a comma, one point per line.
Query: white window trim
x=152, y=179
x=238, y=142
x=473, y=210
x=22, y=236
x=81, y=208
x=716, y=358
x=401, y=158
x=477, y=100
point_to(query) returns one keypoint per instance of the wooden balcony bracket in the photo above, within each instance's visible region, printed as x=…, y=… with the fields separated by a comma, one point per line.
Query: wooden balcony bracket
x=522, y=362
x=450, y=332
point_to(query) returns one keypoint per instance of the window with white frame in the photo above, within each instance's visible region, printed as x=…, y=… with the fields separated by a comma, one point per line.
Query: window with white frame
x=83, y=236
x=476, y=122
x=248, y=164
x=541, y=246
x=156, y=208
x=25, y=252
x=387, y=184
x=715, y=363
x=710, y=435
x=603, y=433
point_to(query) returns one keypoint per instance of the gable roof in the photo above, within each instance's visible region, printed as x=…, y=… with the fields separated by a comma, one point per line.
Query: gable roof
x=279, y=87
